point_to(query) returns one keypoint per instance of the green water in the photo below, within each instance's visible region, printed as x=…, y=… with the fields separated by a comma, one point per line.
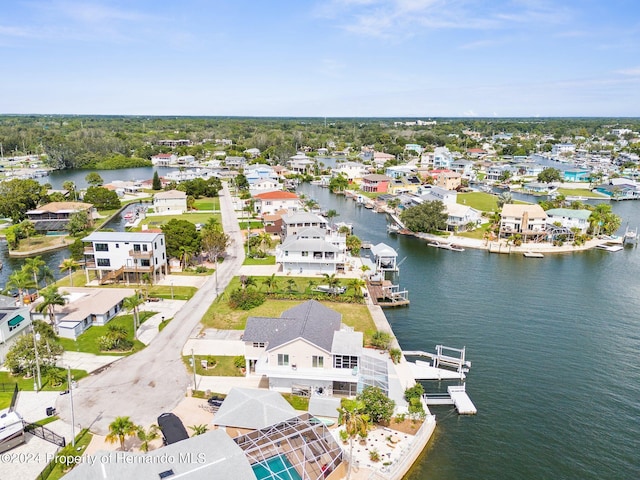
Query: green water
x=554, y=347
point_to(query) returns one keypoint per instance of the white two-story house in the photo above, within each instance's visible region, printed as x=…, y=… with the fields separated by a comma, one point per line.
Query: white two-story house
x=569, y=218
x=311, y=251
x=14, y=319
x=125, y=256
x=267, y=203
x=306, y=350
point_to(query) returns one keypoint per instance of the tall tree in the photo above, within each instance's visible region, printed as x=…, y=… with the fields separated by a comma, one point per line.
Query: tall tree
x=51, y=298
x=426, y=217
x=355, y=422
x=33, y=266
x=22, y=280
x=69, y=265
x=156, y=184
x=549, y=175
x=133, y=303
x=94, y=179
x=180, y=233
x=146, y=436
x=70, y=187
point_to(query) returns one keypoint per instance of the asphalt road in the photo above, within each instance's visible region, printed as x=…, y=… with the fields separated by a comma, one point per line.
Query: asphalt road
x=153, y=381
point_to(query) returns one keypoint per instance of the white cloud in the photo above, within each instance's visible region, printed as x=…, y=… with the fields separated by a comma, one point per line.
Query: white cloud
x=632, y=72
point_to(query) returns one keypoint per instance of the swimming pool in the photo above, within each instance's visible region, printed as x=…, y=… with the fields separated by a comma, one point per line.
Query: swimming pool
x=275, y=468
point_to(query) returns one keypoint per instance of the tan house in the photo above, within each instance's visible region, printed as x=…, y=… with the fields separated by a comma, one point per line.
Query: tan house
x=529, y=221
x=171, y=202
x=449, y=180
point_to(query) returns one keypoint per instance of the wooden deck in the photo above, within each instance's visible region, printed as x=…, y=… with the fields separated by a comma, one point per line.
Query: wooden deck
x=385, y=294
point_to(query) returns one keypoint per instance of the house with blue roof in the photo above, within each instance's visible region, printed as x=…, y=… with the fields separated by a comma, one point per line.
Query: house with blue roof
x=577, y=175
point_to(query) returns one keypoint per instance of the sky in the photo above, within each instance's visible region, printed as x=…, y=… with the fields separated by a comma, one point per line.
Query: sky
x=321, y=58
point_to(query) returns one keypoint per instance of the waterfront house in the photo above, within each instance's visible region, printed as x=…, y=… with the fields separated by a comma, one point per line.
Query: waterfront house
x=306, y=351
x=530, y=221
x=85, y=307
x=301, y=164
x=309, y=252
x=463, y=167
x=397, y=171
x=539, y=187
x=404, y=184
x=461, y=217
x=125, y=256
x=428, y=193
x=495, y=172
x=54, y=216
x=164, y=159
x=267, y=203
x=353, y=171
x=375, y=183
x=620, y=191
x=295, y=222
x=264, y=185
x=570, y=218
x=171, y=202
x=577, y=175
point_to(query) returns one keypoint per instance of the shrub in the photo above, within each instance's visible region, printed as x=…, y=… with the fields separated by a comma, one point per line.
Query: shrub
x=374, y=455
x=246, y=299
x=381, y=340
x=201, y=269
x=396, y=355
x=414, y=392
x=377, y=405
x=239, y=361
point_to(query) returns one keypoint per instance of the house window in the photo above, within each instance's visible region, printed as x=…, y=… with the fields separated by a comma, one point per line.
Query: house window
x=117, y=245
x=345, y=361
x=145, y=247
x=145, y=263
x=304, y=254
x=103, y=262
x=258, y=345
x=317, y=361
x=283, y=359
x=102, y=247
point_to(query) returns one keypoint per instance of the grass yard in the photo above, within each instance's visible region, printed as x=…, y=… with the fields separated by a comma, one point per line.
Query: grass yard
x=88, y=341
x=268, y=260
x=207, y=203
x=224, y=366
x=83, y=439
x=44, y=241
x=579, y=192
x=478, y=233
x=252, y=224
x=26, y=384
x=79, y=279
x=299, y=403
x=479, y=200
x=221, y=316
x=159, y=220
x=5, y=400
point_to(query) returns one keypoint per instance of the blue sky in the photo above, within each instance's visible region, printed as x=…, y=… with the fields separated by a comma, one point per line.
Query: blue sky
x=413, y=58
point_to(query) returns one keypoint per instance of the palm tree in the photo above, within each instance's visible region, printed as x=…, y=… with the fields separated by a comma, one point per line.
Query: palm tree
x=291, y=285
x=247, y=281
x=185, y=256
x=47, y=275
x=331, y=214
x=70, y=187
x=146, y=436
x=33, y=266
x=132, y=303
x=271, y=282
x=50, y=298
x=265, y=240
x=147, y=279
x=356, y=284
x=331, y=280
x=119, y=429
x=69, y=265
x=199, y=429
x=311, y=284
x=28, y=228
x=20, y=279
x=351, y=415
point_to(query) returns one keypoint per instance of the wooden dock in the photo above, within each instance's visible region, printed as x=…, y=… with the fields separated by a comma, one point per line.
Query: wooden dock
x=386, y=294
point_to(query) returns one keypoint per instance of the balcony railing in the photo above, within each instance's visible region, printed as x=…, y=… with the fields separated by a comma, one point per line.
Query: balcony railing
x=140, y=254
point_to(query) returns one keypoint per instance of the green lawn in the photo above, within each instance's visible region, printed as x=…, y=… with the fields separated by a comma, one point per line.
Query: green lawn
x=299, y=403
x=27, y=383
x=252, y=224
x=224, y=366
x=578, y=192
x=79, y=279
x=221, y=316
x=268, y=260
x=479, y=200
x=478, y=233
x=159, y=220
x=207, y=203
x=83, y=439
x=5, y=400
x=88, y=341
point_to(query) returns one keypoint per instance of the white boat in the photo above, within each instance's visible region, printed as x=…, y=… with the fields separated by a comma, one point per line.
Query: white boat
x=610, y=248
x=446, y=246
x=391, y=228
x=332, y=290
x=533, y=255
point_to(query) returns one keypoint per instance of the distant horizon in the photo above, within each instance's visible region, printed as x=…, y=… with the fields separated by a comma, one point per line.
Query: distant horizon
x=325, y=58
x=321, y=117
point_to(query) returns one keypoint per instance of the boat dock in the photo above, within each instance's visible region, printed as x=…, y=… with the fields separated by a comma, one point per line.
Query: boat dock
x=386, y=294
x=439, y=360
x=457, y=396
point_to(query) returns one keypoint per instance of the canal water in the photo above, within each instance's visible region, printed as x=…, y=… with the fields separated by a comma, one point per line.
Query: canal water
x=554, y=347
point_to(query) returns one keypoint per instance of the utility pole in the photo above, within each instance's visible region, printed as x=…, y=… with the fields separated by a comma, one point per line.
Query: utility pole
x=193, y=361
x=73, y=416
x=36, y=339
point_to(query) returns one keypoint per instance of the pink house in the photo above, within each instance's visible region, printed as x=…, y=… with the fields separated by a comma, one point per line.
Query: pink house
x=375, y=183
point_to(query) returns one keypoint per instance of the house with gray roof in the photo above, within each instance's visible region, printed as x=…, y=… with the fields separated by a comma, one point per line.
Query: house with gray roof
x=306, y=351
x=570, y=218
x=202, y=457
x=253, y=409
x=14, y=319
x=293, y=222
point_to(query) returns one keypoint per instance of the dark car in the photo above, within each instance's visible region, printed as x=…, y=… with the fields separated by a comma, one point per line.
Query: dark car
x=215, y=401
x=172, y=428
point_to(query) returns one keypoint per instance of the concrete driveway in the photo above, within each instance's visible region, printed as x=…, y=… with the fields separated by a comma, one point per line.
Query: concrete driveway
x=153, y=381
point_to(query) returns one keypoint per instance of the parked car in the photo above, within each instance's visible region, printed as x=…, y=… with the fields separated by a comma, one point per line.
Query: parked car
x=215, y=401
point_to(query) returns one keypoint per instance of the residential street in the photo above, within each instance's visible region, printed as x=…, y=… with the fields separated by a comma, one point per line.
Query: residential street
x=154, y=380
